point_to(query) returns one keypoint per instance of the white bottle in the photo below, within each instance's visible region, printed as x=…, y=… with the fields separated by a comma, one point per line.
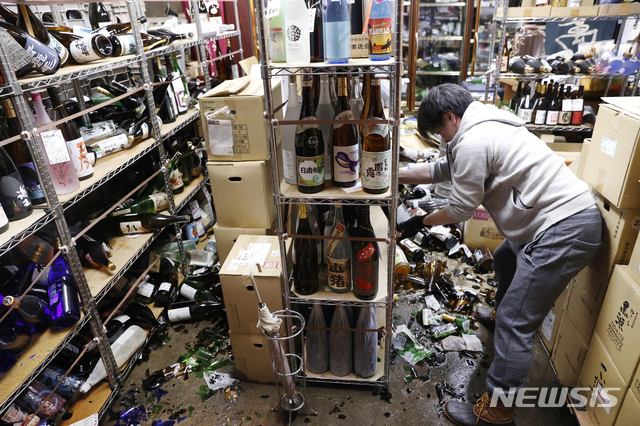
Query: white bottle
x=356, y=103
x=324, y=111
x=297, y=39
x=123, y=348
x=289, y=134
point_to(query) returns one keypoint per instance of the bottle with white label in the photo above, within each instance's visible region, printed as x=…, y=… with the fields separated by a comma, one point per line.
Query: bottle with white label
x=289, y=134
x=297, y=37
x=275, y=14
x=115, y=142
x=55, y=151
x=122, y=349
x=146, y=291
x=339, y=256
x=344, y=141
x=153, y=203
x=168, y=279
x=195, y=311
x=72, y=136
x=324, y=111
x=84, y=49
x=376, y=147
x=192, y=290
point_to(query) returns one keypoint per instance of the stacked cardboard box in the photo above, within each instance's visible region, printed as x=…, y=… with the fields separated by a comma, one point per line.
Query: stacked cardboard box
x=250, y=347
x=607, y=166
x=238, y=143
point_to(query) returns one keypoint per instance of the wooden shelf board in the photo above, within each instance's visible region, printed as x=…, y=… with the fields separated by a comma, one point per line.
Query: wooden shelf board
x=330, y=192
x=18, y=226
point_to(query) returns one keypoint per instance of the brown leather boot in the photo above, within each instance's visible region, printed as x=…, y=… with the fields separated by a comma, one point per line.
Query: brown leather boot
x=481, y=414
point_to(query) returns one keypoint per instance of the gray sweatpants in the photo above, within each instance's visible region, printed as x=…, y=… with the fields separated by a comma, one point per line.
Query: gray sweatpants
x=530, y=278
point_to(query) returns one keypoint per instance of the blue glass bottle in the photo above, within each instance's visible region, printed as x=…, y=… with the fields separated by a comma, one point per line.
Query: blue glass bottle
x=337, y=32
x=63, y=296
x=379, y=30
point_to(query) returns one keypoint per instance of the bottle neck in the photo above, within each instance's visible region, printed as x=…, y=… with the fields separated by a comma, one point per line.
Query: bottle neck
x=307, y=100
x=364, y=221
x=325, y=96
x=338, y=217
x=294, y=101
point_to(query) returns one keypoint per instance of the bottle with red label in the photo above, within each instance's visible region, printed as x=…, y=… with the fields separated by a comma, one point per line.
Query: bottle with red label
x=379, y=30
x=366, y=259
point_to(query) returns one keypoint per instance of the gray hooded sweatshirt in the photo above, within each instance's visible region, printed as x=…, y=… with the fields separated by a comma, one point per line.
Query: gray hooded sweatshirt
x=495, y=161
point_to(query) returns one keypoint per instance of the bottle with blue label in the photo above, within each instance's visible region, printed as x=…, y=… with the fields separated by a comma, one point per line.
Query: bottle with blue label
x=337, y=32
x=68, y=386
x=379, y=30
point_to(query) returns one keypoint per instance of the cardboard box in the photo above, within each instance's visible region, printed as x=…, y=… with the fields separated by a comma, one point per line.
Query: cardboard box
x=549, y=328
x=525, y=12
x=569, y=151
x=480, y=231
x=359, y=46
x=619, y=237
x=618, y=324
x=634, y=261
x=613, y=162
x=226, y=238
x=242, y=193
x=568, y=352
x=241, y=301
x=619, y=9
x=586, y=144
x=572, y=12
x=629, y=412
x=584, y=300
x=245, y=137
x=635, y=384
x=599, y=372
x=252, y=359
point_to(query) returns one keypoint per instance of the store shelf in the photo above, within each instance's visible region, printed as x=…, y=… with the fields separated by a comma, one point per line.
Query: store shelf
x=91, y=403
x=352, y=378
x=441, y=38
x=182, y=199
x=375, y=67
x=19, y=230
x=565, y=19
x=582, y=128
x=443, y=73
x=331, y=195
x=327, y=297
x=443, y=4
x=109, y=166
x=547, y=75
x=33, y=360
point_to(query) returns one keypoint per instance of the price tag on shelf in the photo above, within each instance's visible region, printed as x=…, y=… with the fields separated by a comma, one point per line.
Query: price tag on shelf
x=55, y=146
x=312, y=19
x=273, y=9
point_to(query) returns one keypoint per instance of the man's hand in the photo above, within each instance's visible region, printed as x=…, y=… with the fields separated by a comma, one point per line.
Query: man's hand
x=410, y=228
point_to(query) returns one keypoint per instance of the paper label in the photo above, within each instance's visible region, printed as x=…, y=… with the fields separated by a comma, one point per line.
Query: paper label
x=111, y=145
x=344, y=115
x=577, y=104
x=275, y=253
x=180, y=314
x=176, y=179
x=14, y=414
x=552, y=118
x=375, y=129
x=564, y=117
x=547, y=326
x=635, y=224
x=310, y=170
x=338, y=231
x=220, y=137
x=59, y=48
x=96, y=130
x=92, y=420
x=302, y=127
x=288, y=164
x=273, y=9
x=188, y=292
x=255, y=253
x=525, y=114
x=312, y=19
x=123, y=318
x=43, y=57
x=609, y=146
x=160, y=201
x=346, y=166
x=605, y=401
x=133, y=227
x=146, y=289
x=16, y=55
x=466, y=250
x=379, y=31
x=178, y=88
x=540, y=118
x=128, y=43
x=376, y=170
x=366, y=253
x=567, y=104
x=79, y=157
x=55, y=147
x=82, y=51
x=339, y=272
x=165, y=287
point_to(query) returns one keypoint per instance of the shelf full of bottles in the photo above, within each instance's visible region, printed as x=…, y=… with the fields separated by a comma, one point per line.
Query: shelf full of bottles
x=24, y=358
x=339, y=158
x=557, y=67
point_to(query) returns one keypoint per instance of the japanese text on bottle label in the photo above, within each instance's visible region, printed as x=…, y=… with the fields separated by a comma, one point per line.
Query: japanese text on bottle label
x=337, y=232
x=311, y=170
x=345, y=163
x=54, y=145
x=376, y=168
x=339, y=273
x=82, y=51
x=133, y=227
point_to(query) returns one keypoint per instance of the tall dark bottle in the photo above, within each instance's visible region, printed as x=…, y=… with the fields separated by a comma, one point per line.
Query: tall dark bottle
x=317, y=35
x=194, y=311
x=63, y=294
x=566, y=109
x=577, y=104
x=554, y=107
x=33, y=400
x=541, y=107
x=305, y=257
x=72, y=137
x=21, y=156
x=36, y=55
x=515, y=101
x=13, y=194
x=15, y=333
x=366, y=259
x=98, y=15
x=310, y=153
x=93, y=253
x=344, y=140
x=357, y=23
x=32, y=309
x=168, y=107
x=33, y=26
x=376, y=147
x=168, y=279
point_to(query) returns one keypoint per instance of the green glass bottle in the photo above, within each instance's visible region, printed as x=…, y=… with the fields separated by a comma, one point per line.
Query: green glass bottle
x=152, y=203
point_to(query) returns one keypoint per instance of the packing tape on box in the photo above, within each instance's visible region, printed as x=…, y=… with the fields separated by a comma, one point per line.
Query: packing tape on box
x=602, y=174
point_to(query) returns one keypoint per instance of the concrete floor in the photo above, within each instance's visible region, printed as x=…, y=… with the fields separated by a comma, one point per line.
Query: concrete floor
x=414, y=403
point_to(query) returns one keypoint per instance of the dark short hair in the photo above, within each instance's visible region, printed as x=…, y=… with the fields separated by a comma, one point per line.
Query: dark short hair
x=440, y=99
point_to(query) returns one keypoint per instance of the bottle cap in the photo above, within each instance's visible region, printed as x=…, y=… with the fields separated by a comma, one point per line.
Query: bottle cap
x=375, y=82
x=36, y=253
x=9, y=301
x=111, y=266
